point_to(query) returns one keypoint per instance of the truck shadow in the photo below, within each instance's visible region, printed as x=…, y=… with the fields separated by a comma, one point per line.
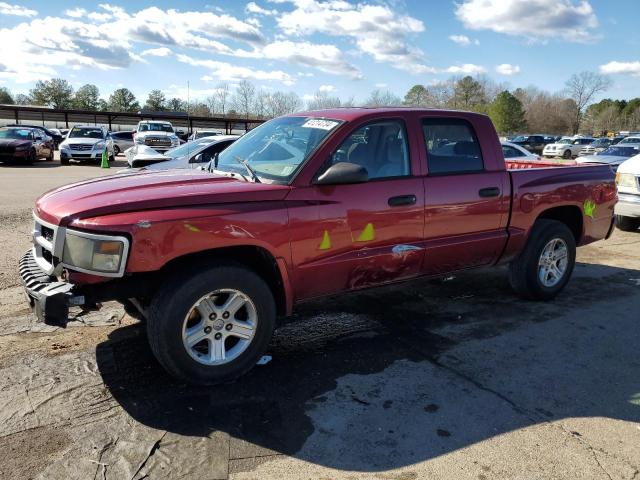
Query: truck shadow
x=387, y=378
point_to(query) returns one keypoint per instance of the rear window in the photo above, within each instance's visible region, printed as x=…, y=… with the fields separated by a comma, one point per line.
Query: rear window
x=452, y=146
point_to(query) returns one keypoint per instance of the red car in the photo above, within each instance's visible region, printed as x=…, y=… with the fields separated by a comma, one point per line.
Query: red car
x=24, y=145
x=303, y=206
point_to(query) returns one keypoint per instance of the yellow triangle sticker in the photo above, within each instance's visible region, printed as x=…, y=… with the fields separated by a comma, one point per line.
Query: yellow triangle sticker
x=367, y=234
x=325, y=244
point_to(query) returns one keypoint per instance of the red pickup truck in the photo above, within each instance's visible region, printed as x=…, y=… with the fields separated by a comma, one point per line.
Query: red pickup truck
x=303, y=206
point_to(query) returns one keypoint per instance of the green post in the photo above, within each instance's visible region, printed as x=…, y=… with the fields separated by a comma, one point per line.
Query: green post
x=105, y=159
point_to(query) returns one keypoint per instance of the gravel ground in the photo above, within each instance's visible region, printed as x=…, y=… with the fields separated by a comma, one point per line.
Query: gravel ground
x=455, y=379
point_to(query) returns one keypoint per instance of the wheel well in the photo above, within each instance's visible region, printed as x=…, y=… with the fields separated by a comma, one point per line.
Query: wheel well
x=570, y=215
x=255, y=258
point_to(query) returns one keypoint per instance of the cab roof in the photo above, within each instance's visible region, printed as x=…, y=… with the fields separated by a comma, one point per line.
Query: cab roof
x=353, y=113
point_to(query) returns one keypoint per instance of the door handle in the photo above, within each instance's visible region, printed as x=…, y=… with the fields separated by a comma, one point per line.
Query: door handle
x=489, y=192
x=402, y=200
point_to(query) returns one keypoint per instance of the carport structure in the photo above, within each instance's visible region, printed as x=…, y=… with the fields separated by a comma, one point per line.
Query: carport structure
x=65, y=117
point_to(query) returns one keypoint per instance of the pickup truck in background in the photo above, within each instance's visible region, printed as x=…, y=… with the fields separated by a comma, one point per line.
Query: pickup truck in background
x=304, y=206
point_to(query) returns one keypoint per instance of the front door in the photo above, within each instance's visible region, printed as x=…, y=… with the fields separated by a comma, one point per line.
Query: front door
x=353, y=236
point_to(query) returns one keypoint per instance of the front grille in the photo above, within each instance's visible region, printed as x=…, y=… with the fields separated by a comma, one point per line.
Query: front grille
x=157, y=141
x=80, y=155
x=47, y=232
x=81, y=147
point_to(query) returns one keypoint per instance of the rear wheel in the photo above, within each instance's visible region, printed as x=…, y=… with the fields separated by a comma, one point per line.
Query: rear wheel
x=567, y=155
x=627, y=224
x=545, y=265
x=211, y=325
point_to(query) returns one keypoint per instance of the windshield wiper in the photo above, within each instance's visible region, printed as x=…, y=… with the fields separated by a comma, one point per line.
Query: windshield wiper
x=246, y=165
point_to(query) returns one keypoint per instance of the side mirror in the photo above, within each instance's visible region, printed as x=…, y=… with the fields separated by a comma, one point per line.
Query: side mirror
x=343, y=173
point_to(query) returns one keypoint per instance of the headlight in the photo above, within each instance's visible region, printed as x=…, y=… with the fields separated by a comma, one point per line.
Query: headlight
x=625, y=180
x=99, y=145
x=101, y=255
x=175, y=140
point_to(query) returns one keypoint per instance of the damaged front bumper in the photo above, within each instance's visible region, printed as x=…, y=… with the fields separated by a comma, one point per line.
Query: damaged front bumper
x=49, y=298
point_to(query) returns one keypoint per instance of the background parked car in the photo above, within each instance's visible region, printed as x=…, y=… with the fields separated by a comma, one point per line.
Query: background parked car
x=533, y=143
x=156, y=134
x=567, y=147
x=612, y=156
x=56, y=137
x=25, y=145
x=627, y=209
x=204, y=133
x=192, y=154
x=121, y=141
x=630, y=141
x=597, y=146
x=86, y=142
x=511, y=151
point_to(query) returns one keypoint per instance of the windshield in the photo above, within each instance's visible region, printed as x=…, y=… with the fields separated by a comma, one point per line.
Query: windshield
x=565, y=141
x=155, y=127
x=278, y=147
x=85, y=132
x=630, y=140
x=16, y=133
x=621, y=151
x=187, y=148
x=520, y=138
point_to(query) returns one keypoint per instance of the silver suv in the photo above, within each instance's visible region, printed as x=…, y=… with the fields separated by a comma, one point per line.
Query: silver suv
x=86, y=142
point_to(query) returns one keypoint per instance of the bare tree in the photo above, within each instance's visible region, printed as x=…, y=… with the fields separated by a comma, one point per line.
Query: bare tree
x=244, y=97
x=222, y=96
x=582, y=88
x=322, y=100
x=379, y=98
x=212, y=103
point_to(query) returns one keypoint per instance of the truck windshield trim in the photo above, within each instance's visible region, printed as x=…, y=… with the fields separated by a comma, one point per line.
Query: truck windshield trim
x=277, y=149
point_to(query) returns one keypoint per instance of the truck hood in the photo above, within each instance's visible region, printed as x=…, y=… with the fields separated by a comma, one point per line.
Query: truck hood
x=148, y=191
x=631, y=165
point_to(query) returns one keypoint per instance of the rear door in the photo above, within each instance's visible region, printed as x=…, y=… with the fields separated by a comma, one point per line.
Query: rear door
x=467, y=196
x=352, y=236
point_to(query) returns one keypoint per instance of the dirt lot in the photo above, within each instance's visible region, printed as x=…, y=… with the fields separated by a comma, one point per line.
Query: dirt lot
x=454, y=380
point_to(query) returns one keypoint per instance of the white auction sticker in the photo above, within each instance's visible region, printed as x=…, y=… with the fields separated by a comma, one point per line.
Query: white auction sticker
x=321, y=124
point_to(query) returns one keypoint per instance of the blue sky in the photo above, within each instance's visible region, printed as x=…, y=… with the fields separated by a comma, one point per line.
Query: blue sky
x=344, y=48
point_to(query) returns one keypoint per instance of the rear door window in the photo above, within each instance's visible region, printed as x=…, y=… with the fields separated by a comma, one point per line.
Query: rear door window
x=452, y=146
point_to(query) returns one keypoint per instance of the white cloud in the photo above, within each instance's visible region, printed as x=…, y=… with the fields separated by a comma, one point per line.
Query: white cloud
x=158, y=52
x=381, y=85
x=252, y=7
x=463, y=40
x=571, y=20
x=75, y=12
x=507, y=69
x=465, y=69
x=627, y=68
x=228, y=72
x=325, y=57
x=377, y=30
x=326, y=88
x=16, y=10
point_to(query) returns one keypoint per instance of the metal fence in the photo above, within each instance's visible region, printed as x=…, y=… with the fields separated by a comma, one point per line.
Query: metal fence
x=67, y=118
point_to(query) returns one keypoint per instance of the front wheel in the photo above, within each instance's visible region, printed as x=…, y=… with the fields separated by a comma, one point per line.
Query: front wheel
x=211, y=325
x=627, y=224
x=50, y=156
x=545, y=265
x=116, y=150
x=567, y=155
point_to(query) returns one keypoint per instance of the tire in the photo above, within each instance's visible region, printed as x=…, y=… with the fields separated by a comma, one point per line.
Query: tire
x=567, y=155
x=525, y=271
x=627, y=224
x=116, y=150
x=64, y=161
x=50, y=157
x=172, y=314
x=33, y=156
x=112, y=158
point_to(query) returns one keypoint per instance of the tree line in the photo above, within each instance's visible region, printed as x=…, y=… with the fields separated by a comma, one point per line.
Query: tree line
x=519, y=110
